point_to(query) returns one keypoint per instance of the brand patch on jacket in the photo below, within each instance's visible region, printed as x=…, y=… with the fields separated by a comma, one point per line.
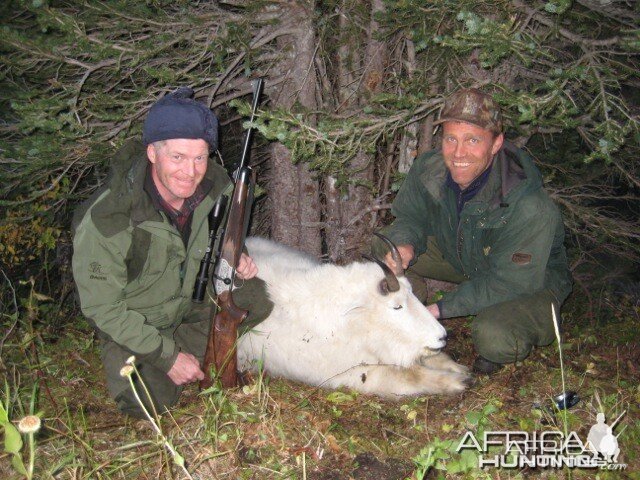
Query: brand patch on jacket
x=486, y=250
x=96, y=271
x=95, y=267
x=521, y=258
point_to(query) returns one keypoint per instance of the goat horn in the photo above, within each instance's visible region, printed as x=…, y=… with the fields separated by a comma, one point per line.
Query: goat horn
x=397, y=259
x=390, y=282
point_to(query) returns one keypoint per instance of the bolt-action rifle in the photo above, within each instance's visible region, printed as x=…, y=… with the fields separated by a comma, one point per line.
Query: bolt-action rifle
x=223, y=333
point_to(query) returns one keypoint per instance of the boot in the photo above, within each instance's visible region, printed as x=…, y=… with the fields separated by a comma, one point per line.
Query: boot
x=486, y=367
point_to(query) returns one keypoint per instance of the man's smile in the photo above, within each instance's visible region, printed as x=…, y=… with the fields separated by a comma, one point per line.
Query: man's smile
x=187, y=181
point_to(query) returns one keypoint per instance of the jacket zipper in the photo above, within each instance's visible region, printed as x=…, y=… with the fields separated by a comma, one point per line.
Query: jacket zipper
x=459, y=240
x=459, y=234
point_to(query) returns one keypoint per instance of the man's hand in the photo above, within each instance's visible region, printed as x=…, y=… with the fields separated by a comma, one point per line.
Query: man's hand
x=434, y=310
x=246, y=268
x=406, y=253
x=185, y=369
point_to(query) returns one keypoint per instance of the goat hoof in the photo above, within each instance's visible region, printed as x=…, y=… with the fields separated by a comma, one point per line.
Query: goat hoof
x=245, y=377
x=470, y=381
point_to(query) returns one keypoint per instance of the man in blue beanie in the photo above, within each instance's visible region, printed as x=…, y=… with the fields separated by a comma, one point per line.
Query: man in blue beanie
x=138, y=243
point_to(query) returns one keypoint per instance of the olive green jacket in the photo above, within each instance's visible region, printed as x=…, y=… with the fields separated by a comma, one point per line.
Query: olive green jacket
x=133, y=275
x=507, y=242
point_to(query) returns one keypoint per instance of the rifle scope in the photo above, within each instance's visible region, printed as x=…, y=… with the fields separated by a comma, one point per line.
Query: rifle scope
x=215, y=219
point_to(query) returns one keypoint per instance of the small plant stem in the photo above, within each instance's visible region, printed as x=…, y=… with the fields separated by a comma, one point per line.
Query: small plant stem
x=556, y=326
x=32, y=456
x=167, y=444
x=564, y=390
x=304, y=466
x=148, y=394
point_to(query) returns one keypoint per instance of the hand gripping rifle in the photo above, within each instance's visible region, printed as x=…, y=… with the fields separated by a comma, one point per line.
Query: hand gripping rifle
x=223, y=334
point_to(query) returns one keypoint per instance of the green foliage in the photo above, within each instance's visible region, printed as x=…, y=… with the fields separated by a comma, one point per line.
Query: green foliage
x=340, y=398
x=22, y=461
x=12, y=439
x=76, y=79
x=22, y=243
x=398, y=179
x=442, y=455
x=497, y=39
x=557, y=6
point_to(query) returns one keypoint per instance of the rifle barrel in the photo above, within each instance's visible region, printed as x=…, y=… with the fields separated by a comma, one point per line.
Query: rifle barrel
x=246, y=148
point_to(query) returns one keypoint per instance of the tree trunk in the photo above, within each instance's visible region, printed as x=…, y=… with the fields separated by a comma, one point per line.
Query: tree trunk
x=344, y=97
x=426, y=140
x=409, y=142
x=348, y=230
x=295, y=205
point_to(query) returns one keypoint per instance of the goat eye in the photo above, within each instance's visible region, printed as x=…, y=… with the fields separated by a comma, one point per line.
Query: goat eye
x=397, y=307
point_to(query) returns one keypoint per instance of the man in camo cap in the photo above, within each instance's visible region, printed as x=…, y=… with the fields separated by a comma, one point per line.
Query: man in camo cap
x=475, y=212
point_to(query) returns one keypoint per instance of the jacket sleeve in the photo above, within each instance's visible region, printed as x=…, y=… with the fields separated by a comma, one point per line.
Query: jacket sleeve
x=100, y=274
x=517, y=263
x=411, y=211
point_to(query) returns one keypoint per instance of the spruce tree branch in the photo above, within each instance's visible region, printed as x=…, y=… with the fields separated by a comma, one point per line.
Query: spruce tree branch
x=145, y=21
x=262, y=39
x=625, y=172
x=607, y=9
x=574, y=37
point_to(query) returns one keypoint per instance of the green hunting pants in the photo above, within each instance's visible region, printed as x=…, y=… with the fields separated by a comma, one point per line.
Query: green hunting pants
x=503, y=333
x=191, y=337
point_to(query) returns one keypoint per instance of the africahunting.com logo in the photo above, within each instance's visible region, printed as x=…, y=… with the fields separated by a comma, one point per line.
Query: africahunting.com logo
x=547, y=449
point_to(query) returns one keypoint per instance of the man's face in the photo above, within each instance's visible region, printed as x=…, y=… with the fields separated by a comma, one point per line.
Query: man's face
x=468, y=150
x=178, y=167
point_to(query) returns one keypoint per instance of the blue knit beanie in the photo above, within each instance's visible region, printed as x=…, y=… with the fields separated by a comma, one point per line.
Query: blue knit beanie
x=178, y=115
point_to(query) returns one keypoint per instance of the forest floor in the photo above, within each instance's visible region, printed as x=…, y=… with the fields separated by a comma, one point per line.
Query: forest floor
x=273, y=428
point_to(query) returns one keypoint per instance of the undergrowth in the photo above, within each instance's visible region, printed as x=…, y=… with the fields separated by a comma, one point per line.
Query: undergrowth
x=271, y=428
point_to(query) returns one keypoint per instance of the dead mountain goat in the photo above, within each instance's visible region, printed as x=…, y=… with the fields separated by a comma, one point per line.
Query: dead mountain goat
x=357, y=326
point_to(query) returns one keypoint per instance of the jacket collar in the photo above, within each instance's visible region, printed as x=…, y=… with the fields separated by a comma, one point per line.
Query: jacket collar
x=127, y=200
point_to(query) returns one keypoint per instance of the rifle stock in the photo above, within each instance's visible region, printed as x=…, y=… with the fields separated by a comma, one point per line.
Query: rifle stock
x=221, y=345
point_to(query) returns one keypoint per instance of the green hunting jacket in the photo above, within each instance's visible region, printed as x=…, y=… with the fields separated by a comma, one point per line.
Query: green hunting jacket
x=508, y=241
x=133, y=274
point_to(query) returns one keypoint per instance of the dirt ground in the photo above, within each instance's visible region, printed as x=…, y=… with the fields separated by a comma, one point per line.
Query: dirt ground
x=273, y=428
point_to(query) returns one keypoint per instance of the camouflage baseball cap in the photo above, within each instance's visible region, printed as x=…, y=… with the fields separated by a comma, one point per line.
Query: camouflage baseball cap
x=473, y=106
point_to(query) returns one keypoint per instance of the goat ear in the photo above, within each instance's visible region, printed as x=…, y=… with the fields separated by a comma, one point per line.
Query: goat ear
x=383, y=287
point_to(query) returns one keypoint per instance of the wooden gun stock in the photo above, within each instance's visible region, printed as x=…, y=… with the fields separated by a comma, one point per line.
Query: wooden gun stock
x=221, y=345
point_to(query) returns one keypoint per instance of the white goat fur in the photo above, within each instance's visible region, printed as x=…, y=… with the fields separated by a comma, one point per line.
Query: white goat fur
x=331, y=326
